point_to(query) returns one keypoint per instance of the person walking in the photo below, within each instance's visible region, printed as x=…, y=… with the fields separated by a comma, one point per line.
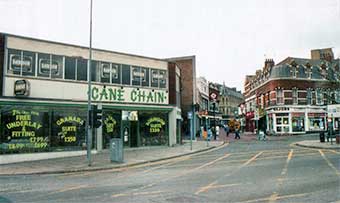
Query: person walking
x=237, y=133
x=209, y=134
x=226, y=129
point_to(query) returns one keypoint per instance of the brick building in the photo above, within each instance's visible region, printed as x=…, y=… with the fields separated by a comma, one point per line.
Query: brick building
x=187, y=66
x=291, y=97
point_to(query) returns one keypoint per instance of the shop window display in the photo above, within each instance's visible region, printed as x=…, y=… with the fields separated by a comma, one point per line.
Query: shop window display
x=153, y=129
x=111, y=126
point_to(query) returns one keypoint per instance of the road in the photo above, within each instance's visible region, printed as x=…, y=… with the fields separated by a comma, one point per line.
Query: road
x=240, y=171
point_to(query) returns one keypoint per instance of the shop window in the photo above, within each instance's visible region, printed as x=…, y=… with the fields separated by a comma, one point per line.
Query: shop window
x=153, y=129
x=24, y=129
x=298, y=123
x=111, y=126
x=70, y=68
x=81, y=69
x=316, y=123
x=68, y=129
x=21, y=62
x=126, y=75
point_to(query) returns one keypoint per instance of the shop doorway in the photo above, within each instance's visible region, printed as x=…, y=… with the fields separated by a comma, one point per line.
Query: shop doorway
x=130, y=128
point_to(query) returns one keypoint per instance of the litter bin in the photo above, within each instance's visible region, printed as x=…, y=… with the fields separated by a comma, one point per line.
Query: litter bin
x=322, y=136
x=116, y=150
x=337, y=139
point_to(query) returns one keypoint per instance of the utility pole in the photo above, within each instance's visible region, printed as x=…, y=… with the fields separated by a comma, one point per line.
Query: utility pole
x=89, y=93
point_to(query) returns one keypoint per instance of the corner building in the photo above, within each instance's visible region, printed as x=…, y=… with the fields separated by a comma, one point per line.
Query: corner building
x=291, y=97
x=43, y=103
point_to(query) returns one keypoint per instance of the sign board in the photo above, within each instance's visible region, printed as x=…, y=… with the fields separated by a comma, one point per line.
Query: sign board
x=333, y=110
x=21, y=88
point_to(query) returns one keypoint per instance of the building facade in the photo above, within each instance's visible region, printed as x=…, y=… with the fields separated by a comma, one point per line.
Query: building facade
x=229, y=102
x=202, y=101
x=43, y=97
x=187, y=67
x=291, y=97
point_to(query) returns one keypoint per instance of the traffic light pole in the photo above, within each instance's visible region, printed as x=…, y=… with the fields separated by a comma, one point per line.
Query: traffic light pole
x=89, y=93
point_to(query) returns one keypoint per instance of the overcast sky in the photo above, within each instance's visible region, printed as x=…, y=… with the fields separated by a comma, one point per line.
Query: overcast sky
x=230, y=39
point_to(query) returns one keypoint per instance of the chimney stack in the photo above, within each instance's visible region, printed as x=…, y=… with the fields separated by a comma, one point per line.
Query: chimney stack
x=269, y=63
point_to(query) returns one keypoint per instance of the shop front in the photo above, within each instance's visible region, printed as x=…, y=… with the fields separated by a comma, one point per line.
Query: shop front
x=296, y=120
x=43, y=106
x=27, y=128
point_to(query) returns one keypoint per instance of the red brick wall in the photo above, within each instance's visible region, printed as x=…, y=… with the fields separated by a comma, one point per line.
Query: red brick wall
x=172, y=83
x=186, y=67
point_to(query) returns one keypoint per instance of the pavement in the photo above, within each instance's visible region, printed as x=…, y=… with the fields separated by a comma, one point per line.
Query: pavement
x=317, y=144
x=101, y=161
x=140, y=156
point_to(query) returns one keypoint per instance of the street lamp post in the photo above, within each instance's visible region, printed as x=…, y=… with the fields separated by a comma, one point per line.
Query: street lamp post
x=214, y=109
x=89, y=94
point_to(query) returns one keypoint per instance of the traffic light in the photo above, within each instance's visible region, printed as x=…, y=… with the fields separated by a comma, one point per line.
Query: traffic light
x=96, y=116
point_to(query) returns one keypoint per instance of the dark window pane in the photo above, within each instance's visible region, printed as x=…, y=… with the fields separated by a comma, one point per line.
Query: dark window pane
x=145, y=78
x=162, y=79
x=111, y=126
x=15, y=62
x=116, y=73
x=104, y=70
x=126, y=74
x=95, y=72
x=28, y=65
x=70, y=68
x=44, y=61
x=154, y=78
x=57, y=67
x=82, y=69
x=136, y=76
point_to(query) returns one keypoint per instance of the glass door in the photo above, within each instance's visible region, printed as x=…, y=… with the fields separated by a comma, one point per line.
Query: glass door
x=282, y=124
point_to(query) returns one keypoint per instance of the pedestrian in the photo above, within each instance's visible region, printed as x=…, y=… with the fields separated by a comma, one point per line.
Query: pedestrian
x=237, y=133
x=217, y=131
x=209, y=134
x=226, y=129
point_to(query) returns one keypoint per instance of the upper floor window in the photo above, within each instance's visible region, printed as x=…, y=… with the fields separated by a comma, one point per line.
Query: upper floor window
x=140, y=76
x=279, y=96
x=21, y=62
x=295, y=96
x=50, y=66
x=337, y=96
x=309, y=96
x=158, y=78
x=45, y=65
x=319, y=97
